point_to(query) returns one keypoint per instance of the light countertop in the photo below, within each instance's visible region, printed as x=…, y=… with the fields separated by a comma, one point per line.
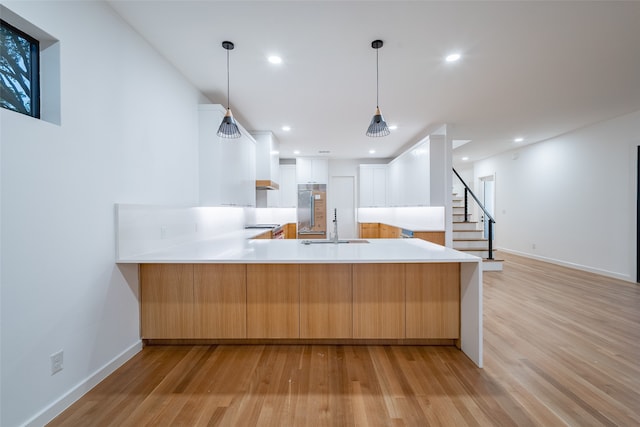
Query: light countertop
x=242, y=249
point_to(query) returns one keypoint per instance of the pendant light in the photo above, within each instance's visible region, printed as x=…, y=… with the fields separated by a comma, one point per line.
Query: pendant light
x=228, y=128
x=378, y=126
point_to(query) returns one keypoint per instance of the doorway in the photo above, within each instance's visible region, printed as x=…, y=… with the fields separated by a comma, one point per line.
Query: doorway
x=342, y=194
x=638, y=216
x=488, y=198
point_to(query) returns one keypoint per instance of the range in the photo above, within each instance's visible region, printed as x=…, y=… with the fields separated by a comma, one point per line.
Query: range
x=277, y=231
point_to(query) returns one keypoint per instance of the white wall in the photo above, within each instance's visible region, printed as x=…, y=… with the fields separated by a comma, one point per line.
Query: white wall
x=128, y=135
x=573, y=197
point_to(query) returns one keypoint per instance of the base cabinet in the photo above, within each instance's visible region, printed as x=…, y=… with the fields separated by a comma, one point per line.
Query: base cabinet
x=325, y=301
x=369, y=230
x=389, y=232
x=378, y=301
x=166, y=295
x=436, y=237
x=374, y=230
x=273, y=301
x=300, y=301
x=291, y=231
x=433, y=300
x=220, y=295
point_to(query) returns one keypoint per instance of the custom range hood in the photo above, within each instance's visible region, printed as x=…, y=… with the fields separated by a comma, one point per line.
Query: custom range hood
x=267, y=160
x=266, y=184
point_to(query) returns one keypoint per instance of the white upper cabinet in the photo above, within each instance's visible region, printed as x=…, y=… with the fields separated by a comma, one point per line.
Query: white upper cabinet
x=309, y=170
x=267, y=167
x=288, y=186
x=227, y=167
x=373, y=186
x=408, y=177
x=267, y=156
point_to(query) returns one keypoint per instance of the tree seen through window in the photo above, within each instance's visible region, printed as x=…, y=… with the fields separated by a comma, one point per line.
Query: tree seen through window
x=19, y=75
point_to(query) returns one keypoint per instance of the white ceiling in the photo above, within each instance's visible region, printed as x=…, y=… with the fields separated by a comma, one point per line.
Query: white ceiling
x=530, y=69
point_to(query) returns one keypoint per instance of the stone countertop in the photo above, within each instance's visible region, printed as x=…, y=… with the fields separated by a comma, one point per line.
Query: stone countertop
x=241, y=249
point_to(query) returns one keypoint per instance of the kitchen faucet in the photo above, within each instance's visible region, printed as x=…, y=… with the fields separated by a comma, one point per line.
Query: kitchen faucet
x=335, y=225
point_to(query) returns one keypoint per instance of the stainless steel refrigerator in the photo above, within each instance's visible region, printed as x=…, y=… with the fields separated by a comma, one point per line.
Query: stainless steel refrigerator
x=312, y=211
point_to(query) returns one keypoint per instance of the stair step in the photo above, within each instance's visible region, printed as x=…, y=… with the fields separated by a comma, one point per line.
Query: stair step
x=484, y=254
x=468, y=234
x=492, y=264
x=478, y=244
x=461, y=226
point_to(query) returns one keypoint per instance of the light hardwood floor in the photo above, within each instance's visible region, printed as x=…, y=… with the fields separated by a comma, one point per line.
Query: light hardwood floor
x=562, y=347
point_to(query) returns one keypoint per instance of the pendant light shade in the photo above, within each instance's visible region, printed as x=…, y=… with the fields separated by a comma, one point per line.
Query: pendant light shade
x=378, y=127
x=228, y=128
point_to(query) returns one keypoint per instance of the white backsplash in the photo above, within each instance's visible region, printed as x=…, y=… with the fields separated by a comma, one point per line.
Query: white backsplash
x=422, y=218
x=275, y=215
x=142, y=228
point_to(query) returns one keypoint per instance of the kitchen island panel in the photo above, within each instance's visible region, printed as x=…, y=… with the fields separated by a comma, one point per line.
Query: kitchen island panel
x=433, y=300
x=220, y=301
x=273, y=301
x=166, y=295
x=378, y=301
x=326, y=301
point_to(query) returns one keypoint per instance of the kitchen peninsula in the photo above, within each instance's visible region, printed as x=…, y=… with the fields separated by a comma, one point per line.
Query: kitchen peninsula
x=238, y=289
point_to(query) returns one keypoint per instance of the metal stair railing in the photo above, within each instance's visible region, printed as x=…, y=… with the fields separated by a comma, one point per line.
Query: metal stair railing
x=488, y=216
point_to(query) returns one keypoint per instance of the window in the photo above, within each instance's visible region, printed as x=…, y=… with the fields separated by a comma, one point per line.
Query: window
x=19, y=71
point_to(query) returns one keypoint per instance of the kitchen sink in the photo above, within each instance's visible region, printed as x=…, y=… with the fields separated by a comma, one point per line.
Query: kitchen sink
x=324, y=241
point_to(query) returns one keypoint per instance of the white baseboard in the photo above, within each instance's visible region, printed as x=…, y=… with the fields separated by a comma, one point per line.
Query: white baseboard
x=57, y=407
x=620, y=276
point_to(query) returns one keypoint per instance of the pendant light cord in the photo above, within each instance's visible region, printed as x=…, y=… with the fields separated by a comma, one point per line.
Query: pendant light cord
x=377, y=80
x=228, y=95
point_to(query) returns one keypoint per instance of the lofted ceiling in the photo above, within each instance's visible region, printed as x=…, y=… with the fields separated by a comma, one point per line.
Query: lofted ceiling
x=533, y=70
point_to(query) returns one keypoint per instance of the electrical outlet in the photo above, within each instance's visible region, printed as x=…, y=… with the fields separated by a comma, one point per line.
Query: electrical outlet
x=57, y=360
x=163, y=232
x=533, y=246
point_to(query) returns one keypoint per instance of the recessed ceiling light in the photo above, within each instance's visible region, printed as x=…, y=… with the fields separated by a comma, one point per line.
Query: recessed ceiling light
x=372, y=151
x=465, y=158
x=286, y=128
x=274, y=152
x=453, y=57
x=518, y=140
x=393, y=127
x=275, y=59
x=296, y=151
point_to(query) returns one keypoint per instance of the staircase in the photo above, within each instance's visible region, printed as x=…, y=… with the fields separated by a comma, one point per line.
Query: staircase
x=468, y=237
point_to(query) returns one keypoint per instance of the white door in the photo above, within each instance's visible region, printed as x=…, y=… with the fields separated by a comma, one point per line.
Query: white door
x=488, y=198
x=342, y=198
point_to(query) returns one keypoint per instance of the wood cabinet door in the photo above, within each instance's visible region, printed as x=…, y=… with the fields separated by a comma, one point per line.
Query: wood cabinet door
x=369, y=230
x=166, y=300
x=378, y=301
x=436, y=237
x=220, y=295
x=433, y=300
x=325, y=301
x=273, y=301
x=291, y=232
x=389, y=232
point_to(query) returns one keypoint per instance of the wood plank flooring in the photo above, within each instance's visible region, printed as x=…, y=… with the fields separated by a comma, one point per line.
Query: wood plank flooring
x=562, y=347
